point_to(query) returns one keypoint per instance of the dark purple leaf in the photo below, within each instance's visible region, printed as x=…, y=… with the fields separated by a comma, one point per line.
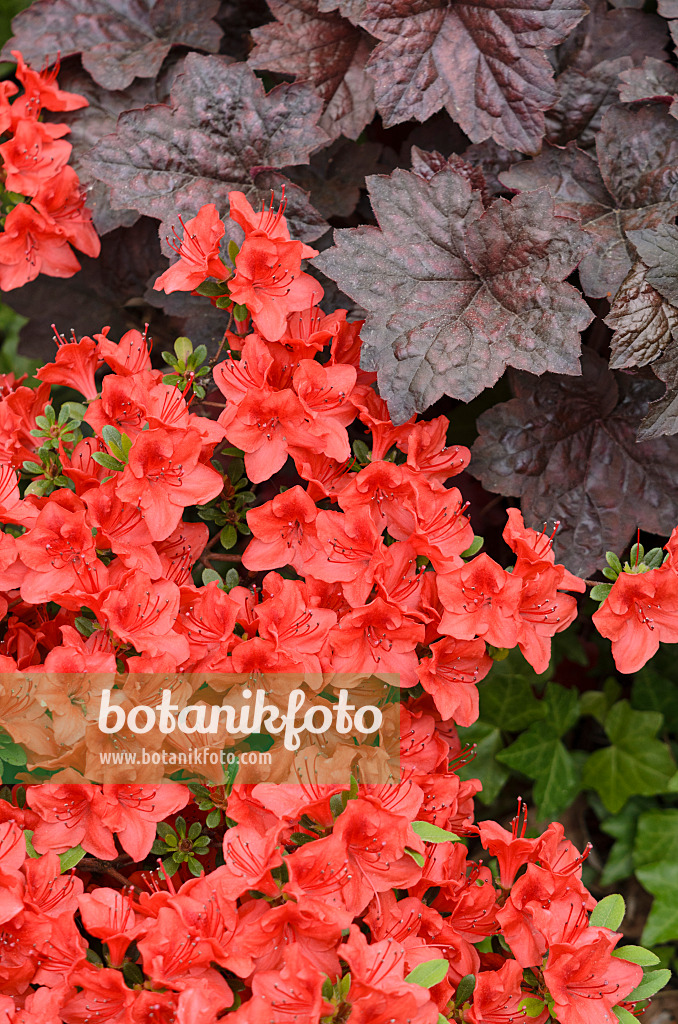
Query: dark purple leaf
x=566, y=446
x=335, y=177
x=455, y=293
x=669, y=9
x=354, y=10
x=634, y=185
x=662, y=416
x=643, y=322
x=237, y=19
x=324, y=49
x=220, y=132
x=658, y=249
x=90, y=124
x=603, y=45
x=482, y=60
x=427, y=163
x=491, y=159
x=655, y=80
x=119, y=40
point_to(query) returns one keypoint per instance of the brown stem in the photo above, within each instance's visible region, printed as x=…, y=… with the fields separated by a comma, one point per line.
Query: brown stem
x=223, y=340
x=101, y=867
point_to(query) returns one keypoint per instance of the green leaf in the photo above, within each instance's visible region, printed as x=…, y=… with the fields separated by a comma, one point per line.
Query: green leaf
x=417, y=857
x=465, y=989
x=240, y=313
x=623, y=828
x=656, y=837
x=195, y=867
x=428, y=974
x=70, y=858
x=613, y=562
x=231, y=579
x=635, y=762
x=474, y=548
x=107, y=461
x=562, y=707
x=433, y=833
x=194, y=830
x=211, y=288
x=660, y=879
x=183, y=347
x=13, y=754
x=533, y=1007
x=655, y=688
x=164, y=830
x=652, y=983
x=361, y=451
x=540, y=755
x=228, y=536
x=624, y=1016
x=30, y=849
x=488, y=742
x=508, y=701
x=637, y=955
x=600, y=591
x=210, y=576
x=233, y=250
x=213, y=818
x=609, y=913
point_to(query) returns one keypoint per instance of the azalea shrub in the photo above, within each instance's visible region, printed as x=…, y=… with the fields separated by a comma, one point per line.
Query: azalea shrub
x=454, y=477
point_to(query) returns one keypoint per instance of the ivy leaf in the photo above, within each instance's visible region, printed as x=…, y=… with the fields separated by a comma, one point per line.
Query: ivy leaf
x=567, y=447
x=455, y=293
x=622, y=827
x=488, y=742
x=483, y=61
x=590, y=60
x=654, y=80
x=635, y=763
x=540, y=755
x=655, y=688
x=118, y=40
x=632, y=185
x=656, y=837
x=326, y=50
x=219, y=132
x=507, y=698
x=660, y=879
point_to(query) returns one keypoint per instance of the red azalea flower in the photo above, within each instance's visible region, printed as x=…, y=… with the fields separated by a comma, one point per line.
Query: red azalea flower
x=75, y=365
x=480, y=599
x=640, y=611
x=31, y=244
x=198, y=253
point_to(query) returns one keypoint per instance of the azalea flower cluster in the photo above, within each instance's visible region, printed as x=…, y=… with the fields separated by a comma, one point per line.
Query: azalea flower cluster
x=311, y=902
x=321, y=903
x=41, y=201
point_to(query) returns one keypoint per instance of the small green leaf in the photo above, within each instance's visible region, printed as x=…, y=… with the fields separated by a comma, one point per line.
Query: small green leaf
x=637, y=955
x=228, y=536
x=624, y=1016
x=417, y=857
x=433, y=833
x=533, y=1007
x=233, y=250
x=240, y=313
x=210, y=576
x=613, y=561
x=195, y=867
x=30, y=849
x=195, y=830
x=213, y=818
x=609, y=913
x=362, y=452
x=474, y=548
x=183, y=348
x=600, y=591
x=13, y=754
x=650, y=985
x=464, y=989
x=70, y=858
x=107, y=461
x=428, y=974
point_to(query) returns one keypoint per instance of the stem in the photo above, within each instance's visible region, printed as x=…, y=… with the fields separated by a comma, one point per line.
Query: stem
x=100, y=867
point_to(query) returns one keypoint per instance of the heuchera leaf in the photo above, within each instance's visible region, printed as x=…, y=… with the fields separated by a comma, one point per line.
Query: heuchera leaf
x=324, y=49
x=662, y=415
x=90, y=124
x=634, y=186
x=482, y=60
x=590, y=60
x=643, y=321
x=669, y=9
x=567, y=447
x=220, y=132
x=335, y=176
x=654, y=80
x=455, y=293
x=119, y=40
